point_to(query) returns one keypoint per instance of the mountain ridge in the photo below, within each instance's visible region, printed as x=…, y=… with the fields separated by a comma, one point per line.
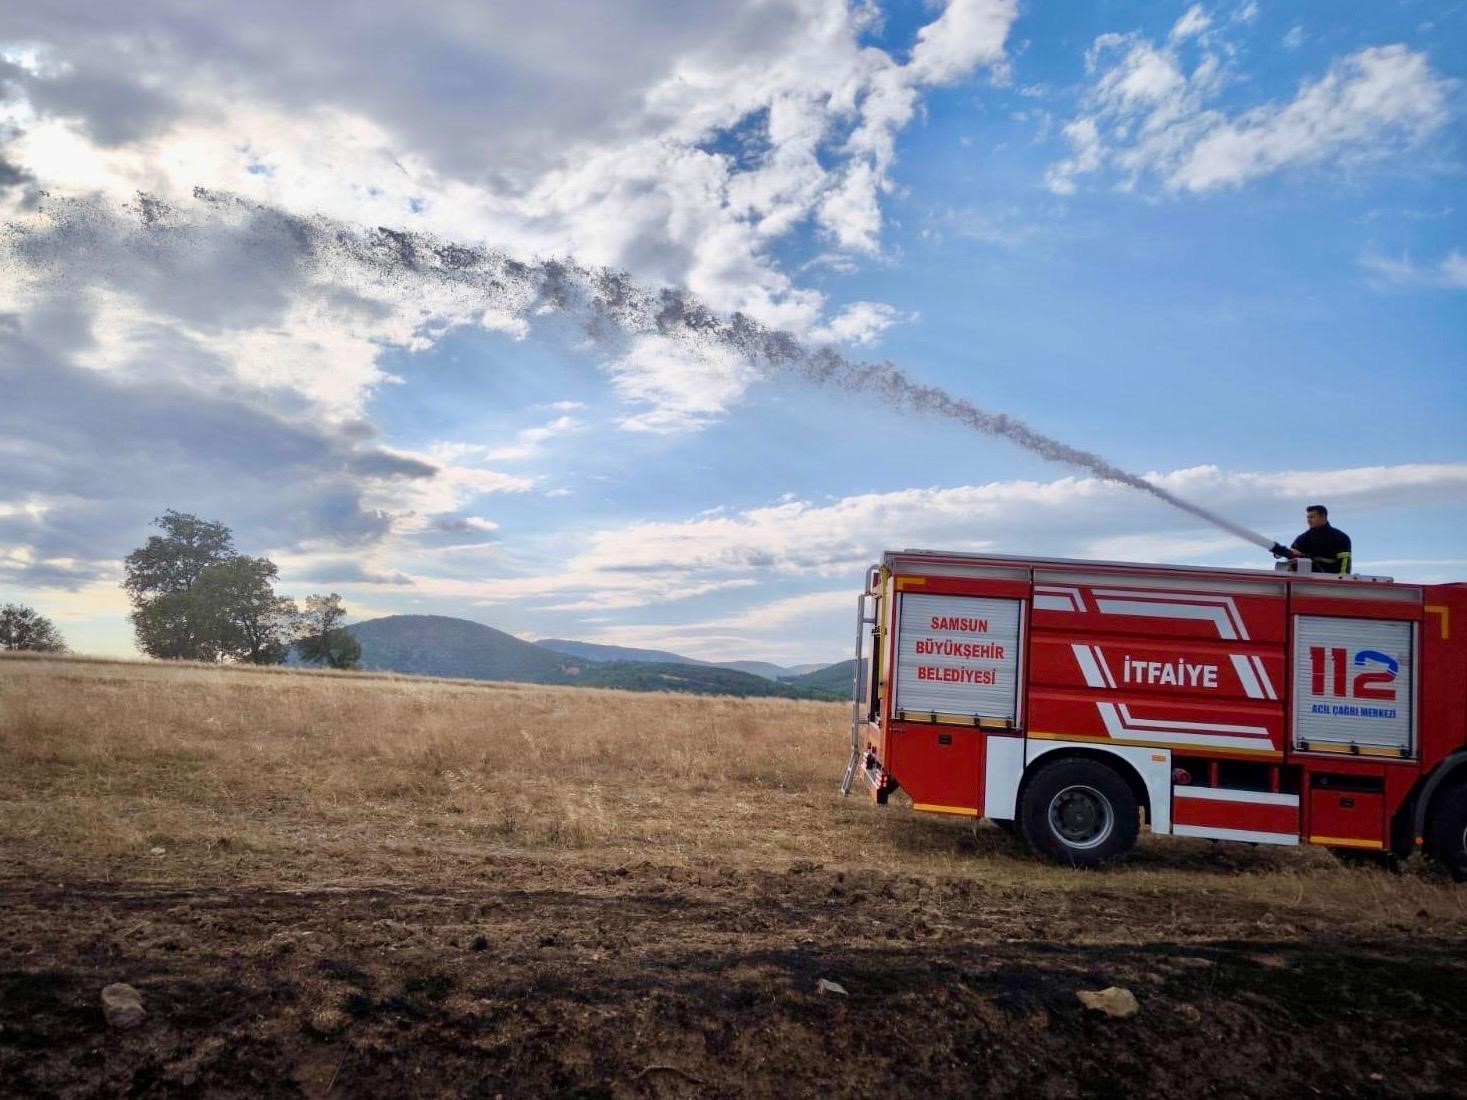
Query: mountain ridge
x=447, y=646
x=599, y=651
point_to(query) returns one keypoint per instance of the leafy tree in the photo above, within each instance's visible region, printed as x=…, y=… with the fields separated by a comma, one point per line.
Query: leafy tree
x=244, y=619
x=172, y=562
x=194, y=598
x=161, y=574
x=22, y=627
x=172, y=627
x=323, y=639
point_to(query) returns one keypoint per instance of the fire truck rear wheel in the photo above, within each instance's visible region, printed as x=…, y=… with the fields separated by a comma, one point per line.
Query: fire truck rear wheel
x=1080, y=812
x=1446, y=837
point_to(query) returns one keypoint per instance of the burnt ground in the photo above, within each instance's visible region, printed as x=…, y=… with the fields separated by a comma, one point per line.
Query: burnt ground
x=539, y=978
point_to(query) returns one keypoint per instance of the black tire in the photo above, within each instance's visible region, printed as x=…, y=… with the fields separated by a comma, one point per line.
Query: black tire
x=1079, y=812
x=1446, y=831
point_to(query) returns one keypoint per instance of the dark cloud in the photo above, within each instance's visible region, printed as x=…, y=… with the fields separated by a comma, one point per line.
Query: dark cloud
x=385, y=464
x=238, y=272
x=492, y=92
x=12, y=79
x=342, y=571
x=454, y=530
x=12, y=175
x=107, y=455
x=458, y=525
x=44, y=574
x=114, y=109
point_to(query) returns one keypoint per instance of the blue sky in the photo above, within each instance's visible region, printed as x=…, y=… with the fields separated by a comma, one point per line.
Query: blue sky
x=1221, y=244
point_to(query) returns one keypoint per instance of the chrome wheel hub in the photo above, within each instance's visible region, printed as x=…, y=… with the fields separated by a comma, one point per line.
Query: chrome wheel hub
x=1081, y=816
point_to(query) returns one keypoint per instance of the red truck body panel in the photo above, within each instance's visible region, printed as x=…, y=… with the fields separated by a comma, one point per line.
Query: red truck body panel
x=1250, y=705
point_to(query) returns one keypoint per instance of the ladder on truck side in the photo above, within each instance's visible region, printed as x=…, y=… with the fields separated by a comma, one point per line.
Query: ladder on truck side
x=866, y=615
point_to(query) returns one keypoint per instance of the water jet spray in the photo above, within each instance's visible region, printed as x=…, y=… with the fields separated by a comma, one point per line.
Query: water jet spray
x=609, y=306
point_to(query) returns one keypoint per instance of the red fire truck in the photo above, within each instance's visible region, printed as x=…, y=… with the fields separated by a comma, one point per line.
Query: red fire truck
x=1067, y=699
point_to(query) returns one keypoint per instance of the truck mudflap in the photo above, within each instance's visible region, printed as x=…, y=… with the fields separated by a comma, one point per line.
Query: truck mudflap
x=877, y=778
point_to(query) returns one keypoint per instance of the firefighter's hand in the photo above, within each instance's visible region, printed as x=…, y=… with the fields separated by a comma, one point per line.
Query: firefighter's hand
x=1280, y=551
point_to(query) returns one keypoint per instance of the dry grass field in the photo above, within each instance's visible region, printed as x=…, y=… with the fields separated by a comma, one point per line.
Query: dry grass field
x=349, y=884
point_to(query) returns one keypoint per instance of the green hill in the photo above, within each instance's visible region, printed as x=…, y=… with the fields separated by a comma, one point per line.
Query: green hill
x=831, y=680
x=595, y=651
x=693, y=679
x=438, y=645
x=765, y=669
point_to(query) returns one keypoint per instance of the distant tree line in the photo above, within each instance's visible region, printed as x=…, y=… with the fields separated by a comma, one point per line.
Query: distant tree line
x=195, y=598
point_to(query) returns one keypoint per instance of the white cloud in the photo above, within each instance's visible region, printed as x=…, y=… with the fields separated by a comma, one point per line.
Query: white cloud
x=1359, y=107
x=1150, y=114
x=682, y=387
x=969, y=33
x=643, y=593
x=414, y=506
x=1449, y=273
x=530, y=442
x=1150, y=546
x=478, y=524
x=1003, y=226
x=1454, y=270
x=790, y=609
x=851, y=211
x=1193, y=23
x=799, y=538
x=1089, y=152
x=1294, y=38
x=858, y=323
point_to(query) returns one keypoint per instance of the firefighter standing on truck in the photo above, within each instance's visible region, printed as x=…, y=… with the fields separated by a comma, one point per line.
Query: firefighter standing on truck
x=1328, y=548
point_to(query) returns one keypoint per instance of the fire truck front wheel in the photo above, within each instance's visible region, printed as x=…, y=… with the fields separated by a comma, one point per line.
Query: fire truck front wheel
x=1079, y=812
x=1447, y=831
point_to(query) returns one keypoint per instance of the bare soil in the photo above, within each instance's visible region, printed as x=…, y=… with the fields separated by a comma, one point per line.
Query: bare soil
x=555, y=978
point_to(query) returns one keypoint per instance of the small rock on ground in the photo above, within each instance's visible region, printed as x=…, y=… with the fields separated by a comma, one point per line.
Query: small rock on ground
x=122, y=1005
x=1115, y=1002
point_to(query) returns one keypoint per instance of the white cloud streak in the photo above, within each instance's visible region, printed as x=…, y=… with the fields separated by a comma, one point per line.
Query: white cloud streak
x=1192, y=24
x=1449, y=273
x=641, y=564
x=1151, y=113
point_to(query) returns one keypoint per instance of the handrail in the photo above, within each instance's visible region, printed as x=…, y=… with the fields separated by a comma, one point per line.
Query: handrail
x=862, y=621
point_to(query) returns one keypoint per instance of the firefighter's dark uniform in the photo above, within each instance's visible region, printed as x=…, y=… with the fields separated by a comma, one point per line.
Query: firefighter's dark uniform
x=1329, y=547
